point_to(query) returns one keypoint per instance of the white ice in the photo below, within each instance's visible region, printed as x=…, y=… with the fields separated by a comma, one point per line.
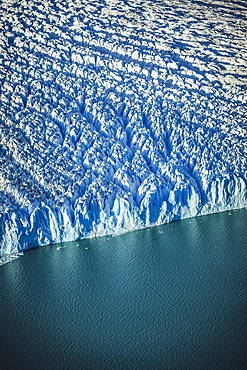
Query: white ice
x=119, y=115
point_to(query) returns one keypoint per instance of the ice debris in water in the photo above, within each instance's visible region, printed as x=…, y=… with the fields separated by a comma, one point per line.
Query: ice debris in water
x=9, y=257
x=118, y=115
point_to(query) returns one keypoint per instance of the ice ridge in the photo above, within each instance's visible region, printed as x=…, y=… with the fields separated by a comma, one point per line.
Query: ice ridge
x=118, y=115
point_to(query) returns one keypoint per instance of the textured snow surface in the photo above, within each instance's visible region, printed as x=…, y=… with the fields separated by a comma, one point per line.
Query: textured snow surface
x=118, y=115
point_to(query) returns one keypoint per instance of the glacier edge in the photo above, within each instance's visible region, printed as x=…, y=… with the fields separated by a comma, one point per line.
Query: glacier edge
x=118, y=118
x=44, y=227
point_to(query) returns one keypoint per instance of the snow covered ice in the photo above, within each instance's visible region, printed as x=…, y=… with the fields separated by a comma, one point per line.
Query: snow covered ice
x=118, y=115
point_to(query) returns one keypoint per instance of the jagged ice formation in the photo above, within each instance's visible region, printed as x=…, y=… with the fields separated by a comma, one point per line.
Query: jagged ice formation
x=117, y=115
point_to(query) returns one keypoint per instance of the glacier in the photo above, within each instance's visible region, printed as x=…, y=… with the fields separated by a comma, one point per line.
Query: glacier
x=119, y=115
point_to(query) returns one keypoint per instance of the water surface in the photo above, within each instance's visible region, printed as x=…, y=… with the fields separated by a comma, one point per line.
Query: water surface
x=168, y=297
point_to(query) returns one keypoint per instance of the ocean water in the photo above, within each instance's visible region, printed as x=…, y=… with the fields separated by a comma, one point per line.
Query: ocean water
x=168, y=297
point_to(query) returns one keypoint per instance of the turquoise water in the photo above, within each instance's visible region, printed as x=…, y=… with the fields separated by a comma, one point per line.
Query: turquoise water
x=169, y=297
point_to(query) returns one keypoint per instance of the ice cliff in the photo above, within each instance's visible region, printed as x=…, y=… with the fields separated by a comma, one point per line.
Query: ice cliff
x=117, y=115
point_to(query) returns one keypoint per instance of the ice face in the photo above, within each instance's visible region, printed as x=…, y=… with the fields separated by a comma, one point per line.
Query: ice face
x=118, y=115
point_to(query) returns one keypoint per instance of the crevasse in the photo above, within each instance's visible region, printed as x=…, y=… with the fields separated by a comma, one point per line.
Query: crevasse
x=118, y=115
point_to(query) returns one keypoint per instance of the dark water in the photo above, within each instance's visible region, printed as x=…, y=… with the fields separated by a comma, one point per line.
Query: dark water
x=170, y=297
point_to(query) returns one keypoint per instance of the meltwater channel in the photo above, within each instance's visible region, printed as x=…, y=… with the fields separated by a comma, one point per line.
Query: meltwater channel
x=168, y=297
